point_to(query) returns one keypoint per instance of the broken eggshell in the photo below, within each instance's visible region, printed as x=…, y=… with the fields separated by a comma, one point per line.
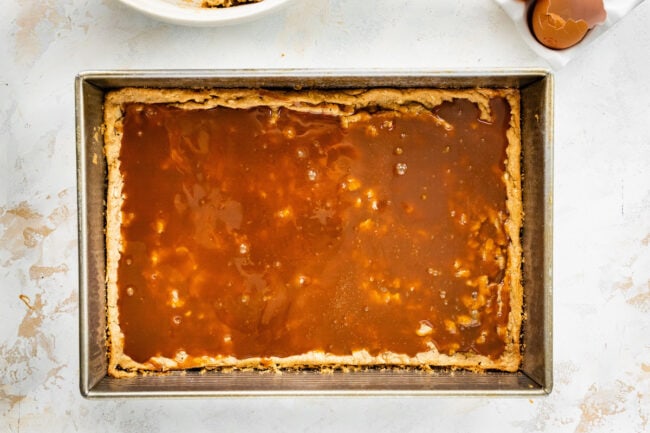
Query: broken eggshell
x=560, y=24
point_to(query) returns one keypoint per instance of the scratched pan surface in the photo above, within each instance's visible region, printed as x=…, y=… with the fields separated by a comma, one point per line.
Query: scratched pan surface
x=535, y=375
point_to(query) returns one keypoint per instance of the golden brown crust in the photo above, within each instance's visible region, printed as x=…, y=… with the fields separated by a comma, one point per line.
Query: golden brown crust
x=349, y=105
x=513, y=225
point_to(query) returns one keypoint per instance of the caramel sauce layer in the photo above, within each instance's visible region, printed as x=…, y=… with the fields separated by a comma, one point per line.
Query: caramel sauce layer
x=259, y=232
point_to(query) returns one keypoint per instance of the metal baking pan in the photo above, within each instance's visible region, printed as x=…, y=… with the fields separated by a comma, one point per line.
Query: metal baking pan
x=535, y=374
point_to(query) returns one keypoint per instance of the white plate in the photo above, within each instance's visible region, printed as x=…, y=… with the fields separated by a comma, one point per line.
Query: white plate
x=190, y=12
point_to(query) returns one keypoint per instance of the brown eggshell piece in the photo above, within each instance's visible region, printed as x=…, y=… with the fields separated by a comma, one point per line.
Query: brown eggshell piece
x=590, y=11
x=560, y=24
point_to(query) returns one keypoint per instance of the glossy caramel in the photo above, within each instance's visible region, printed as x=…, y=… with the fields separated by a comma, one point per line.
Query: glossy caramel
x=258, y=233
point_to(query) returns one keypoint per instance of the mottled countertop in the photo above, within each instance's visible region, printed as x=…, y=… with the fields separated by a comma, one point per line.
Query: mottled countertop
x=601, y=205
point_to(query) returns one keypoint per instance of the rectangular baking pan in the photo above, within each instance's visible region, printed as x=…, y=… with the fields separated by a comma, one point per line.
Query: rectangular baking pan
x=535, y=375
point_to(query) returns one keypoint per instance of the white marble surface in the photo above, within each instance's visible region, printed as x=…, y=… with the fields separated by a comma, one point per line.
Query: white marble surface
x=601, y=203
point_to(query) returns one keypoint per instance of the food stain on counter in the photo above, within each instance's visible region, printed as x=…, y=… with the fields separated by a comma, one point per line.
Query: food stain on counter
x=26, y=301
x=624, y=285
x=39, y=272
x=31, y=358
x=11, y=399
x=21, y=227
x=33, y=343
x=20, y=356
x=23, y=230
x=633, y=285
x=601, y=403
x=33, y=319
x=641, y=301
x=642, y=396
x=646, y=240
x=37, y=24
